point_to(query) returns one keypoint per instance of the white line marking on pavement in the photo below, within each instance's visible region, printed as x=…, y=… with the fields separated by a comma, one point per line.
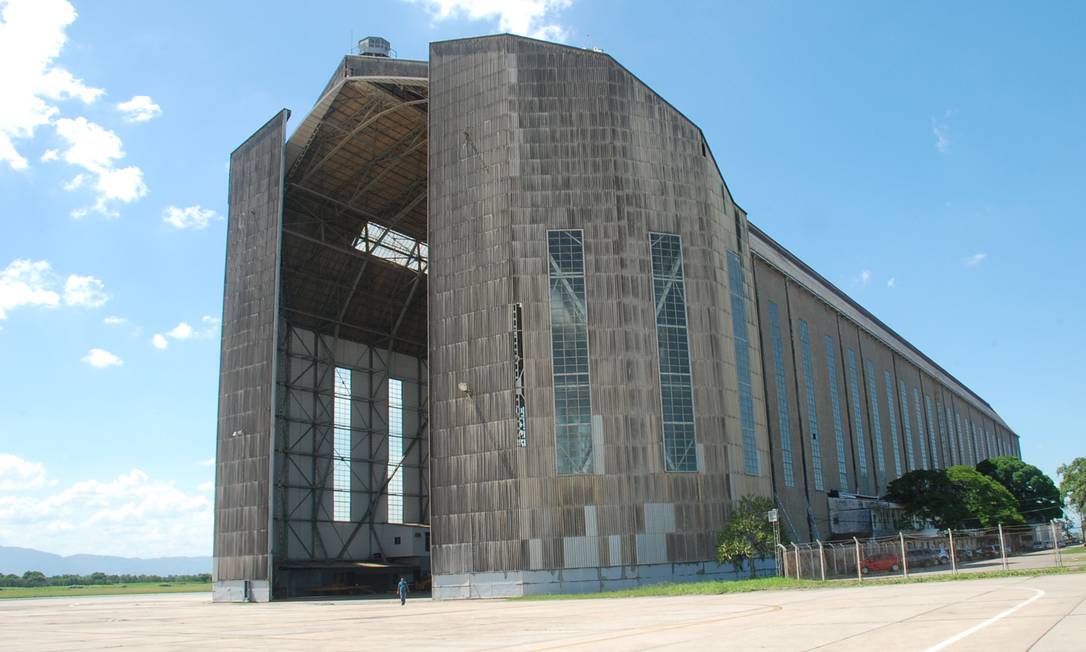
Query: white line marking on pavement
x=976, y=628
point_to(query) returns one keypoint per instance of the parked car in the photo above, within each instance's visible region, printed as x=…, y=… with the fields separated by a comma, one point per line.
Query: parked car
x=922, y=557
x=882, y=561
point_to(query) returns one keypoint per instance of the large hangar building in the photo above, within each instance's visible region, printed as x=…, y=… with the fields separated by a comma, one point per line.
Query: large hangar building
x=496, y=318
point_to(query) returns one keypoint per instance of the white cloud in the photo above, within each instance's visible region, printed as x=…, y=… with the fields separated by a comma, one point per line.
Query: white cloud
x=535, y=18
x=205, y=487
x=131, y=515
x=100, y=359
x=941, y=130
x=184, y=331
x=974, y=260
x=181, y=332
x=75, y=183
x=139, y=109
x=84, y=291
x=50, y=155
x=208, y=462
x=192, y=217
x=892, y=282
x=97, y=149
x=17, y=474
x=865, y=277
x=113, y=320
x=27, y=283
x=31, y=37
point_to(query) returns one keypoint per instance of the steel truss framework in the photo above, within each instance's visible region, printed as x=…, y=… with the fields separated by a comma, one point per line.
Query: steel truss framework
x=354, y=195
x=303, y=451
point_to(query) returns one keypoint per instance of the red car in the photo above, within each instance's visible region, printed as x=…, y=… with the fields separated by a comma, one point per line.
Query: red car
x=883, y=561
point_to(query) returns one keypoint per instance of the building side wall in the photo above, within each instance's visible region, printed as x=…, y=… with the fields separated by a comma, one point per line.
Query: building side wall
x=772, y=291
x=527, y=137
x=247, y=374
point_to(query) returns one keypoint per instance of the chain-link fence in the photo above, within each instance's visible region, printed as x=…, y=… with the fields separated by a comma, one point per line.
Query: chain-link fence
x=1018, y=547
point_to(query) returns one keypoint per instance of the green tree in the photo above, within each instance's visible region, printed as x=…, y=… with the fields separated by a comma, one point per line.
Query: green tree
x=929, y=496
x=955, y=498
x=1073, y=486
x=1037, y=496
x=747, y=533
x=987, y=502
x=34, y=578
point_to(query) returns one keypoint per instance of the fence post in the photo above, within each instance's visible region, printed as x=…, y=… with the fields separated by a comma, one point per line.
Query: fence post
x=781, y=570
x=904, y=561
x=859, y=571
x=799, y=569
x=1056, y=544
x=822, y=559
x=1002, y=547
x=953, y=552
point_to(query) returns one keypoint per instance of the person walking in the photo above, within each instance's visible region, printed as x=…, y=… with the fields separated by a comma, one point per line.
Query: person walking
x=402, y=589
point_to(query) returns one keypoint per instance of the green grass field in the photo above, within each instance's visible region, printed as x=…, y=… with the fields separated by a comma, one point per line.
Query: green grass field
x=104, y=589
x=778, y=583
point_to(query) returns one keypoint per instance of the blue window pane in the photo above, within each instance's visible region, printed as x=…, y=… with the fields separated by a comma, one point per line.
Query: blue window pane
x=676, y=391
x=858, y=420
x=876, y=421
x=569, y=353
x=812, y=414
x=892, y=409
x=835, y=404
x=782, y=397
x=742, y=363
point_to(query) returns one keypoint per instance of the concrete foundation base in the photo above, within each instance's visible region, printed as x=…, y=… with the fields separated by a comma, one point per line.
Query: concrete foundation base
x=510, y=584
x=240, y=591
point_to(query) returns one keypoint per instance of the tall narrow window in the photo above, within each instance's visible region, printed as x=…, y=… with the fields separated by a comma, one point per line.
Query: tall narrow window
x=569, y=352
x=948, y=453
x=876, y=422
x=782, y=397
x=341, y=445
x=906, y=430
x=812, y=414
x=936, y=460
x=976, y=442
x=956, y=452
x=676, y=392
x=965, y=458
x=857, y=419
x=835, y=404
x=742, y=362
x=921, y=434
x=893, y=421
x=395, y=451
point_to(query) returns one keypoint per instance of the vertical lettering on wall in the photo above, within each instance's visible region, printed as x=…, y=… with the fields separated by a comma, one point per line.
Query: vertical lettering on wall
x=519, y=409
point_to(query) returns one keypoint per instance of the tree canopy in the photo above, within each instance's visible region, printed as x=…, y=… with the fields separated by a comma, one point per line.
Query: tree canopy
x=747, y=533
x=958, y=497
x=1037, y=496
x=988, y=502
x=1073, y=484
x=929, y=496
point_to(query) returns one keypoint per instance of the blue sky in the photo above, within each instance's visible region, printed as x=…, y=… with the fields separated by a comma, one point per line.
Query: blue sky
x=929, y=159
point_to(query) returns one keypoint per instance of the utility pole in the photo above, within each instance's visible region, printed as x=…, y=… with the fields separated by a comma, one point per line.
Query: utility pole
x=1002, y=547
x=953, y=554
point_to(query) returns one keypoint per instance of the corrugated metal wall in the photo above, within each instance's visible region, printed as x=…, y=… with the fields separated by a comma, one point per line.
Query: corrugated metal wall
x=528, y=136
x=247, y=373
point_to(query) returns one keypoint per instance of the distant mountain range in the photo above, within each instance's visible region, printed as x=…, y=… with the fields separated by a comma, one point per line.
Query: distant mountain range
x=19, y=560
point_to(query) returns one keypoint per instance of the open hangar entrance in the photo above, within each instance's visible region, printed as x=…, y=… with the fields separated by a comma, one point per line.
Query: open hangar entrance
x=350, y=505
